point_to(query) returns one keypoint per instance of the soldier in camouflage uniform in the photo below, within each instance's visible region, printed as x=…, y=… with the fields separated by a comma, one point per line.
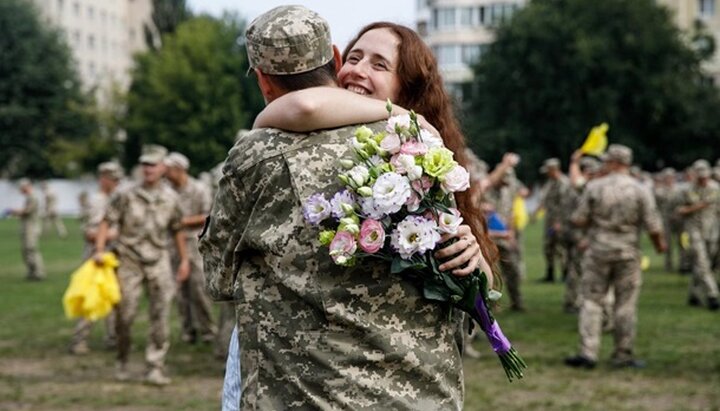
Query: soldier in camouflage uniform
x=501, y=197
x=51, y=218
x=666, y=197
x=30, y=231
x=553, y=195
x=314, y=335
x=582, y=170
x=145, y=213
x=109, y=176
x=614, y=208
x=192, y=299
x=699, y=207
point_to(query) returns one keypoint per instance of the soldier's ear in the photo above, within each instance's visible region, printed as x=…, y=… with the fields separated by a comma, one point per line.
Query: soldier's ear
x=338, y=59
x=269, y=90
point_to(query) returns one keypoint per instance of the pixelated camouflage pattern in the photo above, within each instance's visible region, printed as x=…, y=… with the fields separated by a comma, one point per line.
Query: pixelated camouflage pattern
x=552, y=197
x=615, y=208
x=316, y=335
x=288, y=40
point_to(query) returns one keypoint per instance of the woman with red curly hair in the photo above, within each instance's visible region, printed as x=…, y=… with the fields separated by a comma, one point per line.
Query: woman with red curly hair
x=390, y=61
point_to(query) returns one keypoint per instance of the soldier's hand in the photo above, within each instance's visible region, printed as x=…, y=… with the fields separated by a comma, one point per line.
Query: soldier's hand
x=183, y=271
x=466, y=252
x=98, y=257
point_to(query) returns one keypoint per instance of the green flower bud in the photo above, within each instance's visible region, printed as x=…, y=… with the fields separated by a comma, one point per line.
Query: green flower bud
x=326, y=237
x=348, y=209
x=365, y=191
x=363, y=134
x=346, y=163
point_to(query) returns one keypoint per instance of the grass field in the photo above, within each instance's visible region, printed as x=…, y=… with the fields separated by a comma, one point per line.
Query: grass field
x=680, y=344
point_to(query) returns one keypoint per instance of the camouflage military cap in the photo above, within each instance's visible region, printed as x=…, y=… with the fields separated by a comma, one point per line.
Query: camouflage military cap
x=590, y=164
x=667, y=172
x=702, y=168
x=110, y=169
x=618, y=153
x=152, y=154
x=24, y=182
x=178, y=160
x=288, y=40
x=550, y=163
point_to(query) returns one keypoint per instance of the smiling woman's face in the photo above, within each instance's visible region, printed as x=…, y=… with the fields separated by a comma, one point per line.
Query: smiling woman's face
x=371, y=66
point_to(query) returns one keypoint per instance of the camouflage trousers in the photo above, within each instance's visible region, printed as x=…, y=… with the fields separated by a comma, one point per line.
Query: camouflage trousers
x=31, y=253
x=573, y=300
x=554, y=249
x=84, y=327
x=702, y=283
x=511, y=274
x=54, y=220
x=599, y=274
x=158, y=280
x=193, y=301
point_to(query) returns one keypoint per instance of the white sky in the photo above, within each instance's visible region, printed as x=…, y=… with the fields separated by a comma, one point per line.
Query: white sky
x=345, y=17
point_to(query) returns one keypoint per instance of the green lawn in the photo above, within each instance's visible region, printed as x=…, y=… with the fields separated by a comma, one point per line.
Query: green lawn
x=680, y=344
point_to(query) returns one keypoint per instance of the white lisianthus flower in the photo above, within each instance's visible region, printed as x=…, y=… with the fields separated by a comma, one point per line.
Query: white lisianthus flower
x=356, y=144
x=414, y=235
x=359, y=174
x=449, y=222
x=390, y=192
x=405, y=164
x=368, y=208
x=395, y=123
x=457, y=179
x=343, y=197
x=430, y=140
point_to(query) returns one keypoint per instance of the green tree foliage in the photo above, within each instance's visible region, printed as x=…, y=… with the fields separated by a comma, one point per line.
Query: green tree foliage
x=166, y=16
x=560, y=67
x=41, y=103
x=191, y=95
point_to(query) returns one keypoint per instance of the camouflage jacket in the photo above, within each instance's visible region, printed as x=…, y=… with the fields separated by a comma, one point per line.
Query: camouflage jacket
x=704, y=221
x=615, y=208
x=194, y=199
x=30, y=216
x=144, y=219
x=315, y=335
x=553, y=197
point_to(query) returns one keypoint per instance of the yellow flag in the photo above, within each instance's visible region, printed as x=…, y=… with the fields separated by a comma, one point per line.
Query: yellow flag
x=93, y=289
x=596, y=141
x=520, y=214
x=684, y=240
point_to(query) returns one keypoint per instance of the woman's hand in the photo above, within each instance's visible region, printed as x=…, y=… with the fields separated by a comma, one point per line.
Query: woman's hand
x=466, y=252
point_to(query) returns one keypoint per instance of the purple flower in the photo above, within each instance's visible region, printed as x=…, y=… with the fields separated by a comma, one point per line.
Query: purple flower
x=316, y=209
x=340, y=198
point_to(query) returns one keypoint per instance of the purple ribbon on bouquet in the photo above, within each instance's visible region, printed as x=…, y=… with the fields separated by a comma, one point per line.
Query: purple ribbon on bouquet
x=500, y=344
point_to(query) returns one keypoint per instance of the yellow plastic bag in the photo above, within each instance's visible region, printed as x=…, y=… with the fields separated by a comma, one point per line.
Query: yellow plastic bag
x=93, y=289
x=596, y=141
x=520, y=213
x=684, y=240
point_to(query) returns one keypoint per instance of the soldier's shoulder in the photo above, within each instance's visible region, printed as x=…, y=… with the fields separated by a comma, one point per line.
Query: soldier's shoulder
x=259, y=145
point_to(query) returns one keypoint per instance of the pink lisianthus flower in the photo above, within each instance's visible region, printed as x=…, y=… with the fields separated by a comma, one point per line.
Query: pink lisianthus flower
x=342, y=248
x=414, y=148
x=391, y=143
x=372, y=236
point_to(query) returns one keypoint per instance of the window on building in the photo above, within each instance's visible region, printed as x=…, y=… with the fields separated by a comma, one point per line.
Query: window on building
x=76, y=8
x=466, y=14
x=91, y=12
x=448, y=54
x=132, y=35
x=91, y=42
x=481, y=15
x=76, y=37
x=707, y=8
x=61, y=4
x=445, y=18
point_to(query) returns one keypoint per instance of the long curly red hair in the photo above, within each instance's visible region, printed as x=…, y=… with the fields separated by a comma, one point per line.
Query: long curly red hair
x=421, y=89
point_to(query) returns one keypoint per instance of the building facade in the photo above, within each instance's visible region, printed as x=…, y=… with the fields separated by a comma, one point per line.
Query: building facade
x=103, y=36
x=689, y=15
x=459, y=32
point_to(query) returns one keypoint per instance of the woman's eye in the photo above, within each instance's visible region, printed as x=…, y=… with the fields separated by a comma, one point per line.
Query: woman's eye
x=352, y=59
x=381, y=65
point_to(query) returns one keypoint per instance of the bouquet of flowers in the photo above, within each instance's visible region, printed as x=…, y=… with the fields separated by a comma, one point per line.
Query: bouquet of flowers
x=396, y=203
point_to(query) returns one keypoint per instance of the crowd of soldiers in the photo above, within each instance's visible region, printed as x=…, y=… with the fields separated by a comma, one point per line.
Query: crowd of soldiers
x=137, y=220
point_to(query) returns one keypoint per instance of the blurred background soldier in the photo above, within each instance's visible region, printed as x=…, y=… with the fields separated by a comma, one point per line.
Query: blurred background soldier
x=686, y=257
x=192, y=299
x=581, y=171
x=145, y=213
x=552, y=196
x=30, y=231
x=51, y=218
x=501, y=197
x=614, y=208
x=699, y=206
x=666, y=197
x=109, y=176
